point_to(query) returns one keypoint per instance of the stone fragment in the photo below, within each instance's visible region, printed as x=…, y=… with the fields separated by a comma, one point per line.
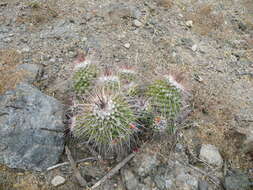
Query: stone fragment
x=211, y=155
x=137, y=23
x=58, y=180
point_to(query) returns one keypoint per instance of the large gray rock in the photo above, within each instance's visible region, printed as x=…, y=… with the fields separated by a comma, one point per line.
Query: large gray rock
x=31, y=129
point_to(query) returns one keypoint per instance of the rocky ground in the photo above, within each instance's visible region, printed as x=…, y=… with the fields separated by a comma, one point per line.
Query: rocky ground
x=209, y=41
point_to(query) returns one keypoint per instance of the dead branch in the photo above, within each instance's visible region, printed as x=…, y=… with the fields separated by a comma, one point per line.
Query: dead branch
x=113, y=171
x=77, y=173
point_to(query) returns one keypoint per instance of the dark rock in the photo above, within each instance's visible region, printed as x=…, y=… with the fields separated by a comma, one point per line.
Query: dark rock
x=163, y=182
x=31, y=129
x=237, y=181
x=145, y=163
x=203, y=185
x=242, y=26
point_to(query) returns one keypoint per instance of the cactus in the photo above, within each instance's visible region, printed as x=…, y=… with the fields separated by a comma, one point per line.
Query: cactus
x=84, y=78
x=165, y=99
x=127, y=74
x=107, y=120
x=109, y=82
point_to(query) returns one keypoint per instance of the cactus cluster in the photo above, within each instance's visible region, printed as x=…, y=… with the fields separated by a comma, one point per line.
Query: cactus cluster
x=118, y=105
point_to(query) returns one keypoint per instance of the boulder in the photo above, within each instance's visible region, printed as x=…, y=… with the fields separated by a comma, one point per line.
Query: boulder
x=31, y=129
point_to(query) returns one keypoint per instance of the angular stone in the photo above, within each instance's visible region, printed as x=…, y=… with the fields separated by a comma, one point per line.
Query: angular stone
x=130, y=180
x=211, y=155
x=145, y=163
x=31, y=129
x=58, y=180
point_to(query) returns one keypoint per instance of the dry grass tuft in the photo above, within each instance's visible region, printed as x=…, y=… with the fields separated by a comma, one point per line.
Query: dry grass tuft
x=9, y=60
x=37, y=14
x=205, y=21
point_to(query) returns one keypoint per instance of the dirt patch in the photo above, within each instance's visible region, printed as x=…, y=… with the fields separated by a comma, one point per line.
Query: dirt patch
x=37, y=13
x=10, y=76
x=205, y=20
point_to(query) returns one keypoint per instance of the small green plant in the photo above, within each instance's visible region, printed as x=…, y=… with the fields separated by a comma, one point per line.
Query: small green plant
x=84, y=78
x=164, y=99
x=107, y=120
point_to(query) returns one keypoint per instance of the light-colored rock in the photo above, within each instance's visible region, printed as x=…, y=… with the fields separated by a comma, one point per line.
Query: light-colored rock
x=137, y=23
x=145, y=163
x=58, y=180
x=127, y=45
x=194, y=47
x=211, y=155
x=189, y=23
x=130, y=180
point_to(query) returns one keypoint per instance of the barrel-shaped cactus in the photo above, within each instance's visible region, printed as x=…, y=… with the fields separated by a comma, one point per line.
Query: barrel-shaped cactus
x=107, y=120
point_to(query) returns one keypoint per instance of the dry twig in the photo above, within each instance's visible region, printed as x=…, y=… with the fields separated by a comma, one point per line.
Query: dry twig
x=80, y=179
x=113, y=171
x=67, y=163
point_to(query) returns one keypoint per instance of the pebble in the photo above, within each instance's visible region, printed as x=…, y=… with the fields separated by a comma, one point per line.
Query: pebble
x=26, y=49
x=189, y=23
x=137, y=23
x=194, y=47
x=211, y=155
x=58, y=180
x=127, y=45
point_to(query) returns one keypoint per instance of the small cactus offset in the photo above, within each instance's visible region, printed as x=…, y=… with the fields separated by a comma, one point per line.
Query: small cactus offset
x=84, y=78
x=127, y=74
x=106, y=120
x=108, y=80
x=164, y=99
